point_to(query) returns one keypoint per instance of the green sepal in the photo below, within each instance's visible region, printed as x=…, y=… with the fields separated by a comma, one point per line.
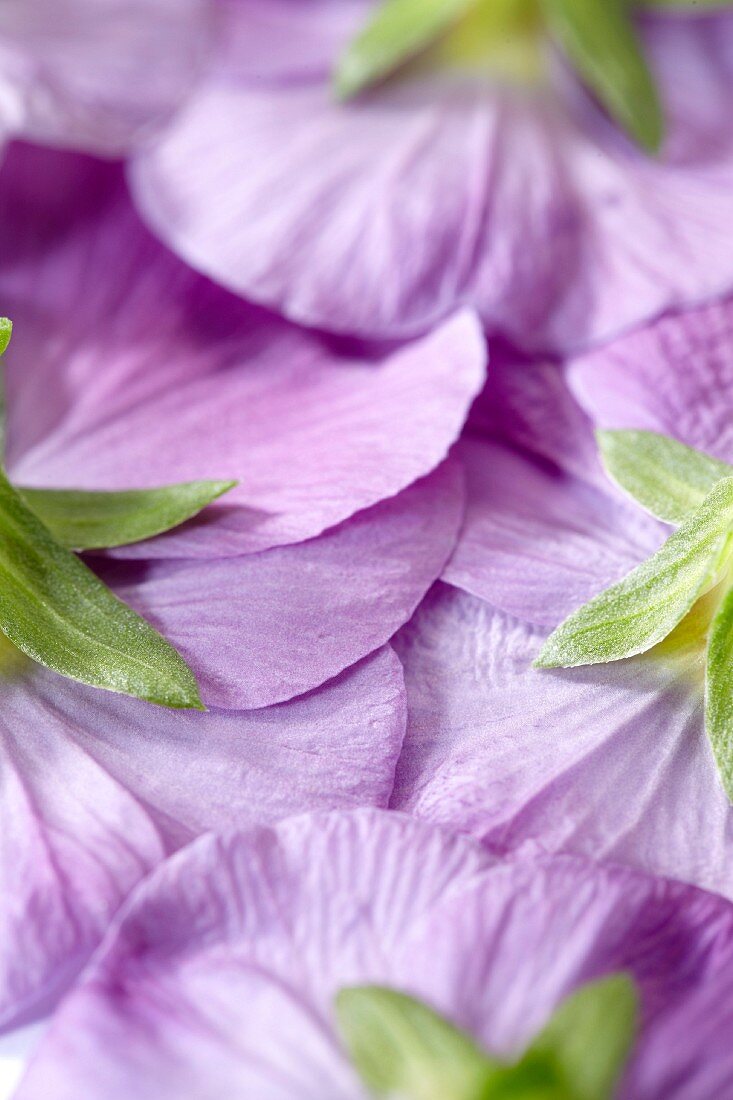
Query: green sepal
x=719, y=691
x=398, y=30
x=643, y=608
x=599, y=39
x=668, y=479
x=54, y=609
x=401, y=1047
x=6, y=331
x=590, y=1036
x=82, y=520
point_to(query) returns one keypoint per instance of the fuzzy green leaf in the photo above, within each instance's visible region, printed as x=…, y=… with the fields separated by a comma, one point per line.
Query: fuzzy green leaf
x=590, y=1036
x=719, y=691
x=599, y=39
x=54, y=609
x=400, y=1047
x=398, y=30
x=642, y=609
x=667, y=478
x=83, y=520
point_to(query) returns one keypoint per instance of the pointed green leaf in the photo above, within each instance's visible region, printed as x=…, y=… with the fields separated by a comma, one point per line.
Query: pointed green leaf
x=667, y=478
x=400, y=1047
x=6, y=331
x=590, y=1036
x=398, y=30
x=54, y=609
x=719, y=691
x=599, y=39
x=83, y=520
x=642, y=609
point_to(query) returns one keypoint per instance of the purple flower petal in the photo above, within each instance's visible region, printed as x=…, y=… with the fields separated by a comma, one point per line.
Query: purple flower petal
x=611, y=761
x=262, y=628
x=220, y=975
x=538, y=542
x=674, y=376
x=98, y=74
x=98, y=788
x=382, y=215
x=128, y=370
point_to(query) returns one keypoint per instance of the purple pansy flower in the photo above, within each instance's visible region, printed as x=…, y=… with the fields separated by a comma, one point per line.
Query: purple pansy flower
x=97, y=74
x=130, y=369
x=220, y=975
x=444, y=187
x=611, y=760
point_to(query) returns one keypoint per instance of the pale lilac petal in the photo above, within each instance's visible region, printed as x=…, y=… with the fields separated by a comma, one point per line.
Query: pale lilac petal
x=528, y=404
x=674, y=376
x=257, y=39
x=261, y=628
x=611, y=761
x=219, y=977
x=538, y=542
x=380, y=216
x=128, y=370
x=98, y=788
x=98, y=74
x=327, y=225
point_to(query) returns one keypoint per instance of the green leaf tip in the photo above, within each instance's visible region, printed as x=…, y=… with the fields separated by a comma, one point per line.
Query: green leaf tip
x=61, y=615
x=668, y=479
x=599, y=38
x=397, y=31
x=95, y=520
x=6, y=331
x=402, y=1047
x=641, y=610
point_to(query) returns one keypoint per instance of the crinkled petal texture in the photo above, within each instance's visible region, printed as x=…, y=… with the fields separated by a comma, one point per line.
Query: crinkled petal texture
x=674, y=376
x=608, y=760
x=219, y=977
x=381, y=215
x=98, y=74
x=97, y=789
x=129, y=370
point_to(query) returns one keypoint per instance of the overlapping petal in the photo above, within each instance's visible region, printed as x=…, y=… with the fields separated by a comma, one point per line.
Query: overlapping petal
x=261, y=628
x=219, y=977
x=128, y=370
x=537, y=541
x=97, y=789
x=98, y=74
x=611, y=761
x=380, y=216
x=674, y=376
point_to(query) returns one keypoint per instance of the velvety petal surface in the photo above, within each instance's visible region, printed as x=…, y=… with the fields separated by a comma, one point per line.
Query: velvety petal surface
x=539, y=542
x=220, y=975
x=97, y=789
x=128, y=370
x=380, y=216
x=674, y=376
x=261, y=628
x=98, y=74
x=611, y=760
